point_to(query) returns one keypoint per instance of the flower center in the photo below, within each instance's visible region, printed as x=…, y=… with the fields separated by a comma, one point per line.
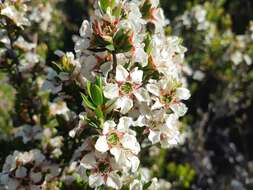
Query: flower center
x=104, y=167
x=113, y=139
x=126, y=88
x=167, y=99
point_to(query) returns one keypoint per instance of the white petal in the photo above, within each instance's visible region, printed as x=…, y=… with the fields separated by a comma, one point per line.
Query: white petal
x=106, y=68
x=125, y=104
x=101, y=144
x=156, y=105
x=141, y=56
x=171, y=121
x=179, y=109
x=116, y=152
x=169, y=142
x=135, y=162
x=124, y=123
x=89, y=161
x=123, y=160
x=111, y=91
x=183, y=93
x=140, y=122
x=142, y=95
x=136, y=185
x=114, y=181
x=35, y=176
x=154, y=3
x=13, y=184
x=85, y=29
x=136, y=76
x=154, y=136
x=130, y=142
x=108, y=125
x=21, y=172
x=153, y=89
x=121, y=74
x=95, y=180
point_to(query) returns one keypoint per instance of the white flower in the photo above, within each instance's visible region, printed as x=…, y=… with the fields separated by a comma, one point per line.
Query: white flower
x=59, y=108
x=167, y=95
x=84, y=42
x=199, y=13
x=159, y=184
x=52, y=83
x=141, y=177
x=182, y=93
x=247, y=59
x=28, y=133
x=21, y=172
x=103, y=170
x=138, y=52
x=23, y=44
x=88, y=64
x=35, y=176
x=179, y=109
x=162, y=127
x=121, y=142
x=167, y=55
x=17, y=16
x=236, y=57
x=134, y=19
x=127, y=84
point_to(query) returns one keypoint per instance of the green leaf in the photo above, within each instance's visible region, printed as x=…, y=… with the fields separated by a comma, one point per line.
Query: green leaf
x=121, y=41
x=146, y=185
x=99, y=82
x=94, y=125
x=148, y=44
x=119, y=34
x=112, y=3
x=99, y=113
x=103, y=4
x=87, y=102
x=110, y=47
x=145, y=9
x=88, y=87
x=97, y=95
x=117, y=11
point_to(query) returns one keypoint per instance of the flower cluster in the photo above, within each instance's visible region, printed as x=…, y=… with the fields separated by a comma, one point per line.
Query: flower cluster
x=128, y=73
x=200, y=19
x=131, y=73
x=28, y=170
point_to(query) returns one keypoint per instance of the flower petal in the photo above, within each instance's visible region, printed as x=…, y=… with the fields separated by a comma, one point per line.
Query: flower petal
x=142, y=95
x=153, y=89
x=101, y=144
x=136, y=76
x=85, y=29
x=121, y=74
x=154, y=136
x=114, y=181
x=108, y=125
x=135, y=162
x=125, y=104
x=116, y=152
x=111, y=91
x=89, y=161
x=130, y=142
x=95, y=180
x=124, y=123
x=179, y=109
x=183, y=93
